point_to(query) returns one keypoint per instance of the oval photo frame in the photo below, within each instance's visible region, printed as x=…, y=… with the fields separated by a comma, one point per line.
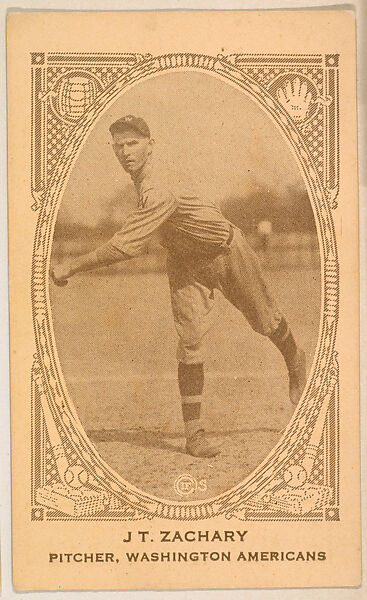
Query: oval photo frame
x=279, y=469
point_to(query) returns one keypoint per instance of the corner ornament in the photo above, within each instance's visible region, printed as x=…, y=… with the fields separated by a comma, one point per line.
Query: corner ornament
x=300, y=99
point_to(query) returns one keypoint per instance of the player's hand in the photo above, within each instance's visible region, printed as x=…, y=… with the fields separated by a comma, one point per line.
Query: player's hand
x=60, y=274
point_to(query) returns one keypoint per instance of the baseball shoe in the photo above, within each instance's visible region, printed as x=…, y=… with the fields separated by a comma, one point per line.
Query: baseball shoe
x=297, y=377
x=199, y=446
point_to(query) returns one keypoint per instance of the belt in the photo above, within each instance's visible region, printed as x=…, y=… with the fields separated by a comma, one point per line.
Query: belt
x=230, y=235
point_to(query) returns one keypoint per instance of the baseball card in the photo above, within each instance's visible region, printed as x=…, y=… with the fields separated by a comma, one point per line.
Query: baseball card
x=183, y=243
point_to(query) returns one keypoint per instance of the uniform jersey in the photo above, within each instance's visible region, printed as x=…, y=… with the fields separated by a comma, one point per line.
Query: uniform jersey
x=185, y=222
x=216, y=257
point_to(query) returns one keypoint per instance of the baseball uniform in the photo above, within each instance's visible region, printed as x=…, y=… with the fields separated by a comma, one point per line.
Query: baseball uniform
x=205, y=253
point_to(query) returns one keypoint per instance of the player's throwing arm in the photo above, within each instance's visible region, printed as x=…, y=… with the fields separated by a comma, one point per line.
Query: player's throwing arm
x=61, y=273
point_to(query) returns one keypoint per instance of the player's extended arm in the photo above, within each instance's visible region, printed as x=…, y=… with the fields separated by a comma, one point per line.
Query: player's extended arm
x=130, y=241
x=86, y=262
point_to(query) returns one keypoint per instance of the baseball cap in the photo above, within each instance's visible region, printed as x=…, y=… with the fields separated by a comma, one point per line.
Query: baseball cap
x=130, y=122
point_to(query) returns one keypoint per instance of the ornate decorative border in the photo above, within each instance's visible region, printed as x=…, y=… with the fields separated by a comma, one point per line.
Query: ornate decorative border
x=299, y=480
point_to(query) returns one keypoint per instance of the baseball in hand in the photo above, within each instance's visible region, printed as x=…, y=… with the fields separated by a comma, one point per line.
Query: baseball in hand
x=59, y=275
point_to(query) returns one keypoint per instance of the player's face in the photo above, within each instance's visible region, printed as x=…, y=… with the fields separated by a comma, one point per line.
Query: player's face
x=132, y=149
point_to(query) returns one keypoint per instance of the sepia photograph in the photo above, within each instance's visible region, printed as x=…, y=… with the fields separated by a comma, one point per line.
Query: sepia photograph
x=185, y=281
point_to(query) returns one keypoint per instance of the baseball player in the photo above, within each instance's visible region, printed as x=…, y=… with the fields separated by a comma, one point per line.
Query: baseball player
x=205, y=253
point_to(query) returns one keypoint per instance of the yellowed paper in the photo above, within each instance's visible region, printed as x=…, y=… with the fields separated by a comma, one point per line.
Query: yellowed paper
x=183, y=299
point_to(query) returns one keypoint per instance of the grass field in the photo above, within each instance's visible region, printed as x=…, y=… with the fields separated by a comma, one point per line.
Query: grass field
x=116, y=343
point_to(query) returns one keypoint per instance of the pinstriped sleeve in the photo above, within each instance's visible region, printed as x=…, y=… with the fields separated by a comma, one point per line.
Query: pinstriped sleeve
x=132, y=239
x=108, y=254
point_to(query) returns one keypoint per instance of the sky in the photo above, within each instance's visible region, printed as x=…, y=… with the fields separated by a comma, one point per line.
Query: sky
x=203, y=127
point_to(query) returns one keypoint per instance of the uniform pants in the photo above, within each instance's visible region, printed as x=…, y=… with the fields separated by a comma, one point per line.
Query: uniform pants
x=237, y=274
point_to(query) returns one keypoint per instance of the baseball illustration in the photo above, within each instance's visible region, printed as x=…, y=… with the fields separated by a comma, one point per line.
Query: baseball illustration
x=73, y=93
x=76, y=476
x=295, y=476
